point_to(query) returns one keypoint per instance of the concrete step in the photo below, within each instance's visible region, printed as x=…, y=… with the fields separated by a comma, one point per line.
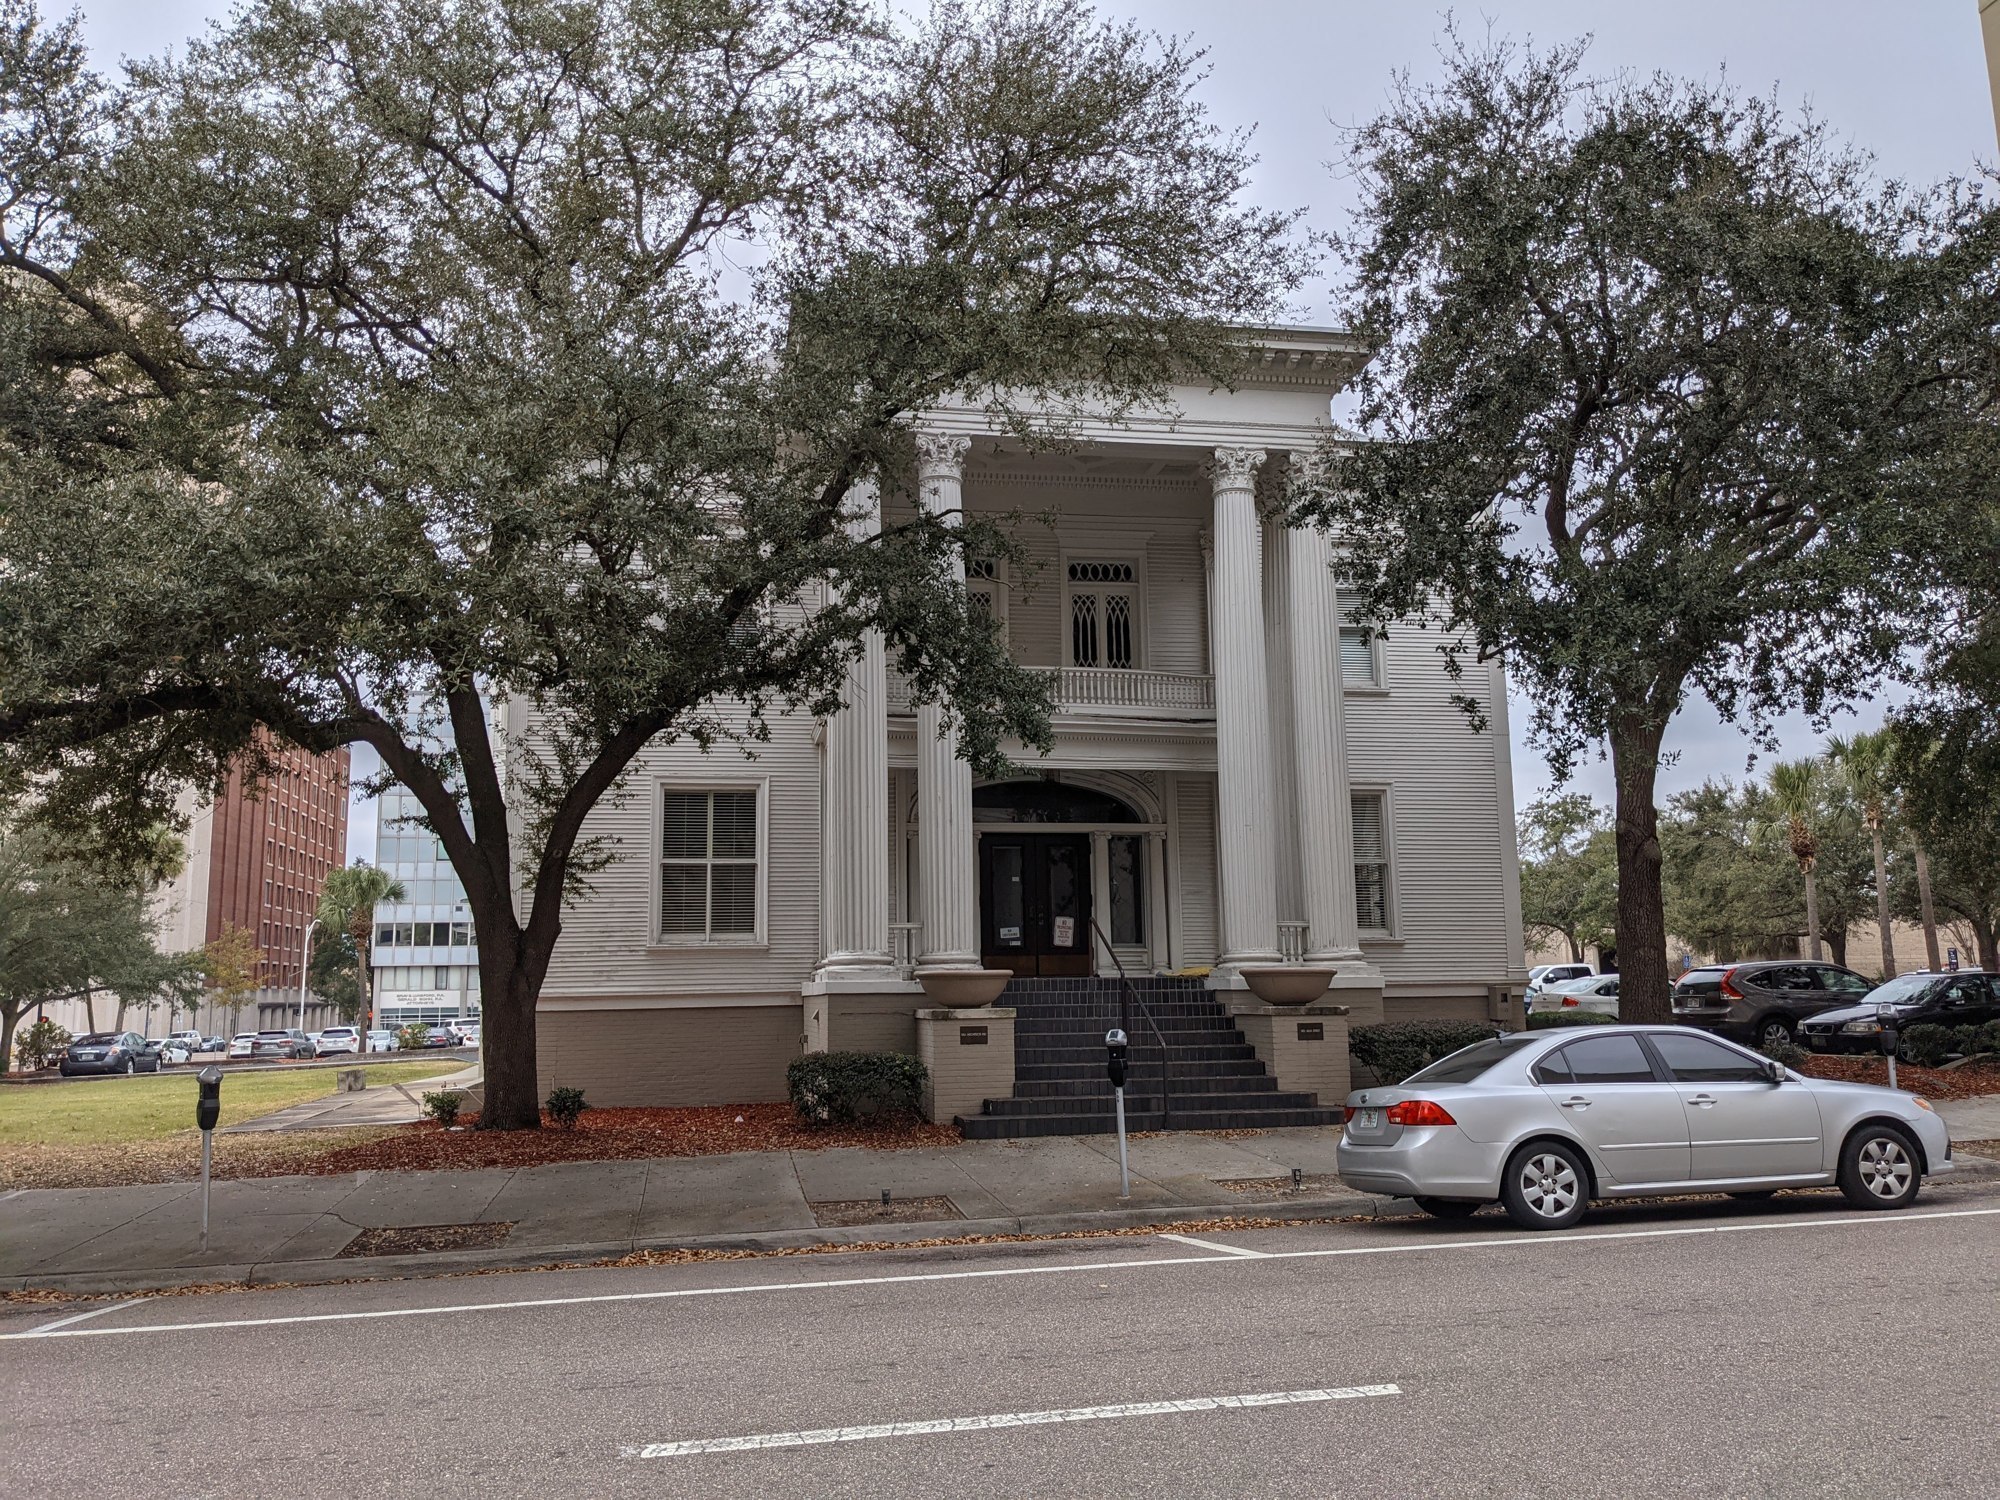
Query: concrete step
x=1013, y=1127
x=1199, y=1100
x=1100, y=1085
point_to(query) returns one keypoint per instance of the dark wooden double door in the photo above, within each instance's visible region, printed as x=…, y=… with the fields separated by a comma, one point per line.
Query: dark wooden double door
x=1034, y=902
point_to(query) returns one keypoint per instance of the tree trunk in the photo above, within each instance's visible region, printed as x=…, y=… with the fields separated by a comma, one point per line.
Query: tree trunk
x=1882, y=907
x=1987, y=934
x=1836, y=948
x=1812, y=914
x=1575, y=951
x=9, y=1019
x=89, y=1010
x=511, y=970
x=1929, y=911
x=1645, y=989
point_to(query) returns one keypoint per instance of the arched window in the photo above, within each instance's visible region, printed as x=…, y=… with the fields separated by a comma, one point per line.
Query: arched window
x=1047, y=802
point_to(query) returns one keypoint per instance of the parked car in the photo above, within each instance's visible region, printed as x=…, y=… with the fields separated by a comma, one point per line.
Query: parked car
x=441, y=1036
x=1546, y=974
x=381, y=1041
x=159, y=1052
x=290, y=1043
x=1598, y=993
x=241, y=1043
x=1545, y=1121
x=190, y=1040
x=337, y=1039
x=1970, y=997
x=1763, y=1002
x=103, y=1052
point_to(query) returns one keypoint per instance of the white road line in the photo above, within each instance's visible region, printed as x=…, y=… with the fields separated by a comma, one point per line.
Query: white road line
x=1188, y=1239
x=1407, y=1247
x=15, y=1194
x=95, y=1312
x=994, y=1421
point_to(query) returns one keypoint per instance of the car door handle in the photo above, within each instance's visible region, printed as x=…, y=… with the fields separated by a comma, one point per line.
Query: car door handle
x=1704, y=1100
x=1576, y=1104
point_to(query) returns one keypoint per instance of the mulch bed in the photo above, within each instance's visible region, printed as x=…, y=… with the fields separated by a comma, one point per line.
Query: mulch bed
x=616, y=1135
x=1311, y=1184
x=424, y=1239
x=1968, y=1082
x=855, y=1213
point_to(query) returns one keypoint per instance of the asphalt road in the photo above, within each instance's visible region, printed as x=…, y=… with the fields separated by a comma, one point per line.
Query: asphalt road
x=1708, y=1348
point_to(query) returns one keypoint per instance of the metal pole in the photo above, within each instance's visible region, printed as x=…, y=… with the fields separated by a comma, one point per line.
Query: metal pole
x=1124, y=1169
x=1892, y=1070
x=305, y=963
x=206, y=1137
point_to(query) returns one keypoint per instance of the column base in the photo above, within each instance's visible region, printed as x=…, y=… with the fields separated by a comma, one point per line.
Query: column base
x=1305, y=1048
x=969, y=1056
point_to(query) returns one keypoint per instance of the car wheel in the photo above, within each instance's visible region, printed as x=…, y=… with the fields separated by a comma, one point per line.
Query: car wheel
x=1878, y=1168
x=131, y=1067
x=1546, y=1186
x=1772, y=1030
x=1450, y=1208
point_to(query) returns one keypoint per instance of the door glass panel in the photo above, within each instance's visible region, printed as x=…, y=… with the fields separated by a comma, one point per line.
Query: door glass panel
x=1065, y=898
x=1608, y=1059
x=1127, y=890
x=1009, y=900
x=1696, y=1059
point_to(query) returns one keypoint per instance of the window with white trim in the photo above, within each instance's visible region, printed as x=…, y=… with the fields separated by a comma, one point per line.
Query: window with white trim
x=708, y=865
x=1369, y=812
x=1360, y=656
x=986, y=590
x=1103, y=614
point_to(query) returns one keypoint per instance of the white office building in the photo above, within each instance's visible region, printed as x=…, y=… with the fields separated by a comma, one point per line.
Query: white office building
x=426, y=959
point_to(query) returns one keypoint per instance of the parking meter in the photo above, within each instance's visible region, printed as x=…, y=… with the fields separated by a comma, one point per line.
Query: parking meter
x=1886, y=1014
x=1115, y=1047
x=208, y=1108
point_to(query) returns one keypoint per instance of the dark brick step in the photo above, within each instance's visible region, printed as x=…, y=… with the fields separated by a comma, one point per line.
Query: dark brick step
x=1208, y=1083
x=1179, y=1058
x=1005, y=1127
x=1194, y=1101
x=1146, y=1064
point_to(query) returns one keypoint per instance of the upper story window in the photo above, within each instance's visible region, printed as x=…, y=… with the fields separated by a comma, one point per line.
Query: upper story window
x=1360, y=650
x=1103, y=614
x=985, y=589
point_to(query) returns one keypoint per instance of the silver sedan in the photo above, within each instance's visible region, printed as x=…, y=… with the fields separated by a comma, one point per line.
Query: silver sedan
x=1545, y=1121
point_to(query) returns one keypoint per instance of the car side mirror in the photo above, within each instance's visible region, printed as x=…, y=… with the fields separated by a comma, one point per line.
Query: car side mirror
x=1775, y=1071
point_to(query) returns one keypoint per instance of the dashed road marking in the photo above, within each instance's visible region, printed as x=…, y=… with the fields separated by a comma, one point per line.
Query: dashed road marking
x=1221, y=1249
x=95, y=1312
x=996, y=1421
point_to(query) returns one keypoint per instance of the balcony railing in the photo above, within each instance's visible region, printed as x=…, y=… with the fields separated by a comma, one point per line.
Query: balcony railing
x=1172, y=695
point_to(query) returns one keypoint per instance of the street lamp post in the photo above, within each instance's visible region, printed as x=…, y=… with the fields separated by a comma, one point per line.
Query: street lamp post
x=305, y=966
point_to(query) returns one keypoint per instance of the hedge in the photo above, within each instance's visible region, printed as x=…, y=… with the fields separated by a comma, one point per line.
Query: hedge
x=844, y=1088
x=1396, y=1050
x=1927, y=1045
x=1542, y=1020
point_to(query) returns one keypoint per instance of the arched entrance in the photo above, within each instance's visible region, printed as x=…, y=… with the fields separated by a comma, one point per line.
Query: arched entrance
x=1038, y=892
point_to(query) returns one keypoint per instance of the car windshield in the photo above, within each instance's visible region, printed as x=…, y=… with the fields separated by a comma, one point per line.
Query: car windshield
x=1904, y=989
x=97, y=1039
x=1468, y=1063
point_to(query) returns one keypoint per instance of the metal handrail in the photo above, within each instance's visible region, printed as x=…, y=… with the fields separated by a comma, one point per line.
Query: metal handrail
x=1131, y=998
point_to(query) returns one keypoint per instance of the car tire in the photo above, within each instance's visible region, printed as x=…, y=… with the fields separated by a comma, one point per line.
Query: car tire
x=1546, y=1186
x=1450, y=1208
x=1880, y=1168
x=1770, y=1031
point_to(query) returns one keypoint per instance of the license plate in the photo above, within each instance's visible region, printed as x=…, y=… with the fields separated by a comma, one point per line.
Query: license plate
x=1368, y=1119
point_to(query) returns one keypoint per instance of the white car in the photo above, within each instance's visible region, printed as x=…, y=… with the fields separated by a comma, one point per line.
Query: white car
x=240, y=1044
x=172, y=1049
x=190, y=1040
x=1544, y=975
x=1598, y=993
x=337, y=1039
x=381, y=1041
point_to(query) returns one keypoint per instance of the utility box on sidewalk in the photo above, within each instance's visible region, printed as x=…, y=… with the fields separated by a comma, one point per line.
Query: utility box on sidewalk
x=349, y=1081
x=1305, y=1049
x=969, y=1055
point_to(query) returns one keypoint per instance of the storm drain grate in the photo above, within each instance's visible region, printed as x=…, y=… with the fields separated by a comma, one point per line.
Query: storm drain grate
x=850, y=1214
x=422, y=1239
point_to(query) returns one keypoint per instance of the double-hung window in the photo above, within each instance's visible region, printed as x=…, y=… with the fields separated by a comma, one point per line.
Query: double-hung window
x=985, y=591
x=1103, y=614
x=1360, y=651
x=708, y=865
x=1371, y=861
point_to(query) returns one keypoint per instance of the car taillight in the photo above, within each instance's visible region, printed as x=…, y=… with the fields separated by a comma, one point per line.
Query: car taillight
x=1729, y=989
x=1418, y=1112
x=1569, y=1000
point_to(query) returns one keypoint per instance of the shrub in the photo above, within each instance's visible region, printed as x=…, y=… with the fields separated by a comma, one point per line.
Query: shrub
x=1396, y=1050
x=1927, y=1045
x=411, y=1038
x=443, y=1106
x=842, y=1088
x=41, y=1044
x=1542, y=1020
x=566, y=1107
x=1791, y=1054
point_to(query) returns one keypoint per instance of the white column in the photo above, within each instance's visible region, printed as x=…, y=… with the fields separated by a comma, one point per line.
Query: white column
x=1326, y=834
x=1245, y=846
x=947, y=883
x=854, y=808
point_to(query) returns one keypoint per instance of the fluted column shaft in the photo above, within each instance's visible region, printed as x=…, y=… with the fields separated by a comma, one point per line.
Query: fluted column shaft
x=854, y=808
x=1326, y=833
x=948, y=886
x=1246, y=847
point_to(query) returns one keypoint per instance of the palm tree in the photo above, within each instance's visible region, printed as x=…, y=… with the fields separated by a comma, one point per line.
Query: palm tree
x=347, y=904
x=1796, y=787
x=1863, y=761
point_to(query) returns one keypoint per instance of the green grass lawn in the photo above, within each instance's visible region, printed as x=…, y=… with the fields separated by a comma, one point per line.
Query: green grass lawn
x=105, y=1111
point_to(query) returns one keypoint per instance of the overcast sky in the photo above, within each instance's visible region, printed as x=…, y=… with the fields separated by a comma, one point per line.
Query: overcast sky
x=1905, y=80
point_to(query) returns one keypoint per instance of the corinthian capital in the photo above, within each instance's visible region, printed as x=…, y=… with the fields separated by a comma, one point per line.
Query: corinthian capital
x=940, y=455
x=1236, y=468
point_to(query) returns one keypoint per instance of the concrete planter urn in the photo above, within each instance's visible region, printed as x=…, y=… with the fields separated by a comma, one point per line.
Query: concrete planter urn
x=963, y=989
x=1287, y=985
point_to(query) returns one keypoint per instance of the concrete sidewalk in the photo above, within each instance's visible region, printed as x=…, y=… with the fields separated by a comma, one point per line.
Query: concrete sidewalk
x=295, y=1228
x=383, y=1104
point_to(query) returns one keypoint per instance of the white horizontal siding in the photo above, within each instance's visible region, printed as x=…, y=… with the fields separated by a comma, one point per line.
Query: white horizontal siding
x=1200, y=905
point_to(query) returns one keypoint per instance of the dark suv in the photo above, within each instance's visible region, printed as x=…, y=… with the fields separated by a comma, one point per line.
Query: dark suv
x=1761, y=1003
x=1961, y=998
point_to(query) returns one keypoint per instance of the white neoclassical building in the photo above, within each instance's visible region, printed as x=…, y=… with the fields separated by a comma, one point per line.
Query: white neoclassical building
x=1239, y=778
